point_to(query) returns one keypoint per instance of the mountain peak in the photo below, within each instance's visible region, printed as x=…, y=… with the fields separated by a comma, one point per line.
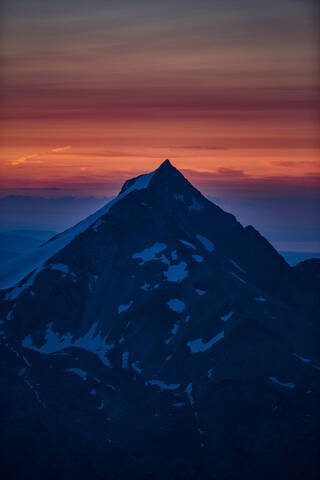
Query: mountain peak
x=165, y=168
x=165, y=164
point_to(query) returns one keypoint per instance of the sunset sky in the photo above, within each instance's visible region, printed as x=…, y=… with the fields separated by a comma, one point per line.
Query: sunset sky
x=98, y=91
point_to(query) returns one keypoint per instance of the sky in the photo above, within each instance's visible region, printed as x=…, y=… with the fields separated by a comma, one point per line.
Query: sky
x=97, y=91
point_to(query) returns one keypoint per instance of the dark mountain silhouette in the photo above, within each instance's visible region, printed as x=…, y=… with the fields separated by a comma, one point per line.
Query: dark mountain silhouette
x=159, y=339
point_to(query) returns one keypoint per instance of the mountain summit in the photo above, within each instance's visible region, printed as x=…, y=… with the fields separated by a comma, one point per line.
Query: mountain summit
x=159, y=338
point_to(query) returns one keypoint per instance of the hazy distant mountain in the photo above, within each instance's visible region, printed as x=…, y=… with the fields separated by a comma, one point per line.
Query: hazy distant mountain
x=20, y=242
x=293, y=258
x=25, y=212
x=161, y=339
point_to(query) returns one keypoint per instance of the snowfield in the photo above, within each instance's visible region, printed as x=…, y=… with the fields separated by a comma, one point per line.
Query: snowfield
x=19, y=268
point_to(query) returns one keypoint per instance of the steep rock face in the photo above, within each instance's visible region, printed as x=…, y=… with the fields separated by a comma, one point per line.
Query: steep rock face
x=160, y=335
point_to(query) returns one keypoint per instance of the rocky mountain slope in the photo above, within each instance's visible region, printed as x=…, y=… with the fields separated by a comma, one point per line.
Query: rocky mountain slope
x=159, y=339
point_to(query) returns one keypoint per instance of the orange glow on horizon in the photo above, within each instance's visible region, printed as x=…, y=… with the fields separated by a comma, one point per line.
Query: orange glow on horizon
x=89, y=155
x=228, y=91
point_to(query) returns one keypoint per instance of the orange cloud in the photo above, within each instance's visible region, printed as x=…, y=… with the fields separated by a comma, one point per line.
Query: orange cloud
x=289, y=163
x=61, y=149
x=24, y=158
x=20, y=160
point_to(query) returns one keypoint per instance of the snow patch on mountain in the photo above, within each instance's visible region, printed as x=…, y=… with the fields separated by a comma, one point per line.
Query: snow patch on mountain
x=125, y=358
x=303, y=359
x=135, y=367
x=197, y=258
x=176, y=273
x=287, y=385
x=188, y=391
x=174, y=255
x=164, y=386
x=261, y=299
x=163, y=259
x=238, y=278
x=15, y=293
x=60, y=267
x=208, y=245
x=196, y=205
x=175, y=328
x=36, y=393
x=176, y=305
x=144, y=204
x=200, y=292
x=92, y=342
x=98, y=224
x=26, y=361
x=21, y=372
x=179, y=196
x=150, y=253
x=197, y=346
x=226, y=317
x=236, y=265
x=78, y=371
x=188, y=244
x=124, y=308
